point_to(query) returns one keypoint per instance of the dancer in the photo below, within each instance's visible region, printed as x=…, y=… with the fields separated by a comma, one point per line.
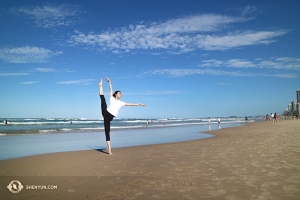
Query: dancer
x=112, y=110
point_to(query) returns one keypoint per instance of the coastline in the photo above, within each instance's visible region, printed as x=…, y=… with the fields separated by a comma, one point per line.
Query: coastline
x=16, y=146
x=257, y=161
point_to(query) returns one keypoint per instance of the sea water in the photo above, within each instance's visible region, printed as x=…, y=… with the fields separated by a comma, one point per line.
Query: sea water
x=25, y=137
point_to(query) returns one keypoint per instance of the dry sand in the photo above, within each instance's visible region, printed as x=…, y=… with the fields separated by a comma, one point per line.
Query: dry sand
x=258, y=161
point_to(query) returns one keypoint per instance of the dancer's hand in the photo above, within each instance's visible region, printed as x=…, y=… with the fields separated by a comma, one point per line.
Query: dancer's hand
x=108, y=80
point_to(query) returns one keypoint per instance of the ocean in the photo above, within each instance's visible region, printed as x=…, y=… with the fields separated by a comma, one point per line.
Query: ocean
x=34, y=136
x=21, y=126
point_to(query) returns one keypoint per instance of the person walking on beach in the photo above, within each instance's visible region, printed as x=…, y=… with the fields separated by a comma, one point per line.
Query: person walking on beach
x=209, y=126
x=275, y=118
x=267, y=117
x=272, y=116
x=112, y=110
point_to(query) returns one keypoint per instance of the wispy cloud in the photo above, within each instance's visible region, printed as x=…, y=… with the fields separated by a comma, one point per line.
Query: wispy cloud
x=29, y=82
x=248, y=10
x=176, y=36
x=189, y=72
x=153, y=92
x=14, y=74
x=283, y=63
x=237, y=39
x=26, y=54
x=44, y=69
x=51, y=16
x=77, y=82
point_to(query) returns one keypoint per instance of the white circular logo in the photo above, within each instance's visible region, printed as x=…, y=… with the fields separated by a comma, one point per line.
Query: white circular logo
x=15, y=186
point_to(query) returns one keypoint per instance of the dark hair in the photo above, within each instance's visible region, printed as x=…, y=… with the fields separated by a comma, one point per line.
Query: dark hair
x=116, y=92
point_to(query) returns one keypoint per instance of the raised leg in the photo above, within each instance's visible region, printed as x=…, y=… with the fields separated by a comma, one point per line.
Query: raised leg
x=100, y=87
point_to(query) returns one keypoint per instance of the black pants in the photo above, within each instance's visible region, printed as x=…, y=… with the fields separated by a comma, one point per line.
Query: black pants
x=107, y=117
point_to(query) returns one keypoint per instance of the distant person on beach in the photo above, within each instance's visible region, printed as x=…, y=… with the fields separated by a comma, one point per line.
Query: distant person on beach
x=112, y=110
x=219, y=120
x=246, y=119
x=272, y=117
x=208, y=120
x=267, y=117
x=275, y=118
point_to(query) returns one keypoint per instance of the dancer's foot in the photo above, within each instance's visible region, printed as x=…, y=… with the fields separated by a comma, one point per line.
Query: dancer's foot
x=108, y=80
x=109, y=152
x=100, y=83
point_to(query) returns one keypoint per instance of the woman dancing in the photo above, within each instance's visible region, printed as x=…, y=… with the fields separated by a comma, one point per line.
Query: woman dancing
x=112, y=110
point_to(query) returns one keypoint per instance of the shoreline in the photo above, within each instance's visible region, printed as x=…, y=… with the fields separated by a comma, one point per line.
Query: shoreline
x=257, y=161
x=152, y=125
x=16, y=146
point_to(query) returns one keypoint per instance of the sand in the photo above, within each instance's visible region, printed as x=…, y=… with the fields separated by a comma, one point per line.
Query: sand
x=258, y=161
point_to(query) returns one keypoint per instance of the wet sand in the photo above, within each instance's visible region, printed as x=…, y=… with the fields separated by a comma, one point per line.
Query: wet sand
x=258, y=161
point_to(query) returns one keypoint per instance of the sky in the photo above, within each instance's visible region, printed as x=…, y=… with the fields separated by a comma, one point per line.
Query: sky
x=184, y=59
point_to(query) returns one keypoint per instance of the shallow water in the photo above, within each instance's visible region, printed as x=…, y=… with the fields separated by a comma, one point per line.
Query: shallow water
x=15, y=146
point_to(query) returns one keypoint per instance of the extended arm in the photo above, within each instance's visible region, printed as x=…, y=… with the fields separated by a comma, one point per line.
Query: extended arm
x=110, y=87
x=135, y=104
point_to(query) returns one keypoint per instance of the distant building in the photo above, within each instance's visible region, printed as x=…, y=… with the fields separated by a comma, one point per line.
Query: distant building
x=294, y=106
x=290, y=108
x=298, y=101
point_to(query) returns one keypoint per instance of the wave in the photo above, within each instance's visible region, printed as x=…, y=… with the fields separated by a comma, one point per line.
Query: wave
x=47, y=131
x=19, y=126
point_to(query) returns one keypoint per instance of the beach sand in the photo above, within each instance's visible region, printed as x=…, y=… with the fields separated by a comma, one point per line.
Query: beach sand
x=260, y=160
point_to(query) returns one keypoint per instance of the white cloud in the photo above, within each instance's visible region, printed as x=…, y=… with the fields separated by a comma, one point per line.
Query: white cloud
x=44, y=69
x=176, y=36
x=284, y=75
x=283, y=63
x=189, y=72
x=26, y=54
x=248, y=10
x=211, y=63
x=153, y=92
x=235, y=40
x=14, y=74
x=29, y=82
x=76, y=82
x=51, y=16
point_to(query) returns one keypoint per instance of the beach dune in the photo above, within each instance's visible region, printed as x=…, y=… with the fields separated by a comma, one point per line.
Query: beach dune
x=260, y=160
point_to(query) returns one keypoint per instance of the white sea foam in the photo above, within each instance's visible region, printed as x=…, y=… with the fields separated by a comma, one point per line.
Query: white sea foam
x=85, y=122
x=136, y=121
x=66, y=129
x=98, y=128
x=47, y=131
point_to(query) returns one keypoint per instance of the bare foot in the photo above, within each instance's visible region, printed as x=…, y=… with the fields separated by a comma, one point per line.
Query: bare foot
x=100, y=83
x=108, y=80
x=109, y=152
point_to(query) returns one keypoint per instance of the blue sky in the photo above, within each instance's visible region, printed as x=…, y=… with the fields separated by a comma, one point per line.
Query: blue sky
x=191, y=58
